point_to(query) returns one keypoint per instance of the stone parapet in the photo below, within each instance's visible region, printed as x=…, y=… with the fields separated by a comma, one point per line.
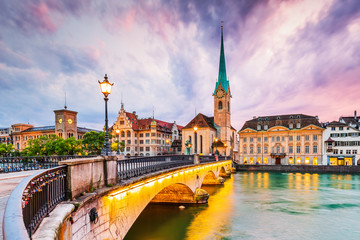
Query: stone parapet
x=84, y=175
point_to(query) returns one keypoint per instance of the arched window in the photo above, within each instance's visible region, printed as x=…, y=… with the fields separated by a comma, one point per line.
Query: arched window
x=128, y=134
x=122, y=134
x=220, y=105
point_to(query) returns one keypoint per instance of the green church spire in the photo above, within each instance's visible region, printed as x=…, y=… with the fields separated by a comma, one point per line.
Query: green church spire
x=222, y=79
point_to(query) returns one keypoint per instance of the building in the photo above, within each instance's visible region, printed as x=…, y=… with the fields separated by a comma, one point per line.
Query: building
x=65, y=127
x=146, y=137
x=6, y=136
x=342, y=142
x=208, y=135
x=283, y=139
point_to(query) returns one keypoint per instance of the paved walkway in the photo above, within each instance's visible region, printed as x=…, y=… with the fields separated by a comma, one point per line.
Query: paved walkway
x=8, y=182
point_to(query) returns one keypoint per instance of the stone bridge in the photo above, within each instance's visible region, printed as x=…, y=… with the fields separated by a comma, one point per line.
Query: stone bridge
x=107, y=194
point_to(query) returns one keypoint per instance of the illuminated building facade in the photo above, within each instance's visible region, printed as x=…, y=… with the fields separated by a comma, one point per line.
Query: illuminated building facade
x=281, y=140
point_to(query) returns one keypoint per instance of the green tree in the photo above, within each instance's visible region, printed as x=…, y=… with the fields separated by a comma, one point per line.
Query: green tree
x=5, y=149
x=93, y=142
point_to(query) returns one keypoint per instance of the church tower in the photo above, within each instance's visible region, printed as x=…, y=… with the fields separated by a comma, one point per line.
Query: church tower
x=222, y=96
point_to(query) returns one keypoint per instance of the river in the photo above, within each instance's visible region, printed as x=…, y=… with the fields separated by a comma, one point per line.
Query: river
x=261, y=205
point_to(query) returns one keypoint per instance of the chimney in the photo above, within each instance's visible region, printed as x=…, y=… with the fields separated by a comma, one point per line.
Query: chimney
x=134, y=112
x=254, y=117
x=355, y=114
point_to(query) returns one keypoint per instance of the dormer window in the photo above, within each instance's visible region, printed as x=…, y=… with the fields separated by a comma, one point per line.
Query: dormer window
x=259, y=119
x=291, y=117
x=278, y=118
x=291, y=125
x=298, y=125
x=298, y=116
x=259, y=127
x=266, y=127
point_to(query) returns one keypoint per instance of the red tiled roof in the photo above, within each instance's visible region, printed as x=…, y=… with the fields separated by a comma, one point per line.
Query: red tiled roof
x=201, y=121
x=142, y=123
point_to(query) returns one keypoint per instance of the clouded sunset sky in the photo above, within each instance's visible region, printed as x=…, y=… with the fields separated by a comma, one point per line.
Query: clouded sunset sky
x=282, y=57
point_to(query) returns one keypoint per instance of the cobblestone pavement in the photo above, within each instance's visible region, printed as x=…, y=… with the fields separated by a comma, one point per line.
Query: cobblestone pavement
x=8, y=182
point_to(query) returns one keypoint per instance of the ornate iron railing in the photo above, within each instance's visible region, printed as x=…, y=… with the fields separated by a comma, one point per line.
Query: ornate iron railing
x=135, y=167
x=13, y=164
x=41, y=196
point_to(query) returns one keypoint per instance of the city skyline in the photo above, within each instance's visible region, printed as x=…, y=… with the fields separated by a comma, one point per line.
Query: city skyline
x=281, y=58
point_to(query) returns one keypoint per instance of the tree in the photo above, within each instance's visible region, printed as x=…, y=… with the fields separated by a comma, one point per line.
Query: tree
x=115, y=144
x=5, y=149
x=93, y=142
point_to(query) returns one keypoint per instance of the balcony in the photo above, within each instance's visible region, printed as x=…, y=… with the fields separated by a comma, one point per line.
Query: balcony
x=278, y=155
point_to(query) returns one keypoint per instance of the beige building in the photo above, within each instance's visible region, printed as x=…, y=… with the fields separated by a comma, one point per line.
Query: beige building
x=209, y=135
x=65, y=127
x=283, y=139
x=146, y=137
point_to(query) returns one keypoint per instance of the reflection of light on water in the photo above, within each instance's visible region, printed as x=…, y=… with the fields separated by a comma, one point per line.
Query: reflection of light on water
x=214, y=220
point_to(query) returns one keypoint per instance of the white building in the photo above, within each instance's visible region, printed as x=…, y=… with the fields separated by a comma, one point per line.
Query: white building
x=341, y=143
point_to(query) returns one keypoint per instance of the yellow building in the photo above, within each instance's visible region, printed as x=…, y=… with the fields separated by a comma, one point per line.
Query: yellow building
x=283, y=139
x=209, y=135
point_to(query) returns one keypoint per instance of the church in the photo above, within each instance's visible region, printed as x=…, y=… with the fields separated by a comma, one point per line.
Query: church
x=213, y=135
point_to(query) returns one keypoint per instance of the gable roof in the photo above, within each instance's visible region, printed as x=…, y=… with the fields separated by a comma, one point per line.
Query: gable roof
x=201, y=121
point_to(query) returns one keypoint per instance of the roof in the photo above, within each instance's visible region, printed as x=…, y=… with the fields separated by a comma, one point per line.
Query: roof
x=35, y=129
x=201, y=121
x=335, y=123
x=142, y=123
x=82, y=129
x=222, y=79
x=350, y=120
x=329, y=140
x=281, y=120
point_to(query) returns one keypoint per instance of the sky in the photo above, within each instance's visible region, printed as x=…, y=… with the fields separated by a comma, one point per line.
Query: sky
x=282, y=57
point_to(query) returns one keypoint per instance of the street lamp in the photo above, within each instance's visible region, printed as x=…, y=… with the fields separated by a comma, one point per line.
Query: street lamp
x=118, y=134
x=167, y=145
x=225, y=149
x=105, y=87
x=195, y=139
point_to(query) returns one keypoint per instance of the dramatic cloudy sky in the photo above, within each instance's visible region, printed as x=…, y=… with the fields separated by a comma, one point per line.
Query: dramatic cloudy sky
x=282, y=57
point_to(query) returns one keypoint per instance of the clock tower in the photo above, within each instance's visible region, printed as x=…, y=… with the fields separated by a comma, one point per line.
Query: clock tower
x=65, y=123
x=222, y=96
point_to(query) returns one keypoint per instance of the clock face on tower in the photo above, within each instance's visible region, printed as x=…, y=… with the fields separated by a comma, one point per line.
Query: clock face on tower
x=60, y=120
x=220, y=93
x=70, y=121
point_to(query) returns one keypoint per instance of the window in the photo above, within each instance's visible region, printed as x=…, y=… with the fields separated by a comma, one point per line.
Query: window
x=278, y=139
x=298, y=125
x=354, y=151
x=153, y=134
x=244, y=139
x=135, y=141
x=291, y=150
x=128, y=149
x=121, y=122
x=265, y=149
x=336, y=151
x=332, y=128
x=307, y=149
x=141, y=149
x=147, y=135
x=259, y=127
x=341, y=128
x=273, y=139
x=251, y=139
x=136, y=149
x=128, y=134
x=259, y=139
x=307, y=138
x=128, y=141
x=315, y=138
x=341, y=151
x=228, y=105
x=147, y=141
x=251, y=150
x=147, y=149
x=244, y=149
x=141, y=141
x=265, y=139
x=141, y=135
x=153, y=141
x=220, y=105
x=298, y=149
x=348, y=151
x=290, y=138
x=277, y=149
x=315, y=149
x=282, y=138
x=291, y=125
x=122, y=134
x=258, y=149
x=298, y=138
x=266, y=127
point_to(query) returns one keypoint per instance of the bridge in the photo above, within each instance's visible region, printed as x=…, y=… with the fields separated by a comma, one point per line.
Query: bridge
x=123, y=189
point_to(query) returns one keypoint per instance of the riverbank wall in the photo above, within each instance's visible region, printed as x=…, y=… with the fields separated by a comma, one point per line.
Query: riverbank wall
x=299, y=168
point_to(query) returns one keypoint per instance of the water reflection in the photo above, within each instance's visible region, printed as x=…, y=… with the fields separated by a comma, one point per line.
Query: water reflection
x=213, y=222
x=260, y=205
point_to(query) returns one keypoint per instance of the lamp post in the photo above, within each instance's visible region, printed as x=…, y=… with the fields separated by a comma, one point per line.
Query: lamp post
x=167, y=145
x=195, y=139
x=117, y=133
x=225, y=149
x=105, y=87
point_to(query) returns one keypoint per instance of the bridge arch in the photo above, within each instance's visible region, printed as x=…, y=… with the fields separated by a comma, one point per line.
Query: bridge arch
x=175, y=193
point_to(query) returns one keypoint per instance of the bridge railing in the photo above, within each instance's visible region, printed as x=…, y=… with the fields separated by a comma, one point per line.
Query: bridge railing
x=135, y=167
x=34, y=197
x=13, y=164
